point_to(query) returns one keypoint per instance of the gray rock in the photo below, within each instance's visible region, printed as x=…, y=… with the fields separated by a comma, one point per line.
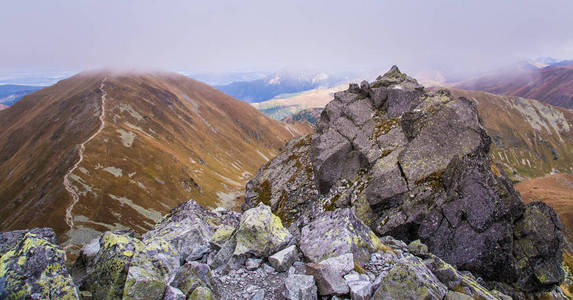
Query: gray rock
x=300, y=287
x=253, y=263
x=260, y=233
x=33, y=266
x=258, y=295
x=268, y=269
x=172, y=293
x=360, y=289
x=186, y=228
x=192, y=275
x=283, y=259
x=457, y=296
x=198, y=252
x=328, y=280
x=336, y=233
x=418, y=248
x=341, y=264
x=409, y=278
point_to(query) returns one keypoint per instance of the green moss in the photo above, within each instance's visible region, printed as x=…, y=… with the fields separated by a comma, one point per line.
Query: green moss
x=330, y=204
x=264, y=193
x=383, y=127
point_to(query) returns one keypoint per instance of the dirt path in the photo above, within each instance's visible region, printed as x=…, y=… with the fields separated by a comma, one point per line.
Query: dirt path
x=82, y=147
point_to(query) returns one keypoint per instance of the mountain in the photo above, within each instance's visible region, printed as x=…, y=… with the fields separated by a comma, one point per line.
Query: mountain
x=2, y=106
x=552, y=84
x=111, y=150
x=276, y=84
x=10, y=93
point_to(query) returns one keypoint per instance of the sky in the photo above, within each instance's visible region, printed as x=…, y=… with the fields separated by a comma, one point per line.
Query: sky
x=452, y=36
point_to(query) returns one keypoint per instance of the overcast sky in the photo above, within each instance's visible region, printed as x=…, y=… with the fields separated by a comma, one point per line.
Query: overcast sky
x=221, y=36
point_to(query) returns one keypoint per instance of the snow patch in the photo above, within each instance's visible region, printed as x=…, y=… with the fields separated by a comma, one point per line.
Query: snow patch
x=148, y=213
x=127, y=137
x=117, y=172
x=130, y=110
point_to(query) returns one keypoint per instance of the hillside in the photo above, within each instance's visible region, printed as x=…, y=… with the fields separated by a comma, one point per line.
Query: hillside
x=552, y=84
x=555, y=190
x=161, y=139
x=530, y=139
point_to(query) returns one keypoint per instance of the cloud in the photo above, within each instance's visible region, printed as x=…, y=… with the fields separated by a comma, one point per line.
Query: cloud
x=214, y=36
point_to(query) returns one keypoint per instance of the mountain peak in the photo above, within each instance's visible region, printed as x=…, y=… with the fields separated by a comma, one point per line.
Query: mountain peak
x=395, y=77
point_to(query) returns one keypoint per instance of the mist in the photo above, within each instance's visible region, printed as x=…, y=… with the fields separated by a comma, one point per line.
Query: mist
x=455, y=37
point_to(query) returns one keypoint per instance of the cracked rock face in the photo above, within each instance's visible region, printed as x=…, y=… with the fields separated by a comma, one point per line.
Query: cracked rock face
x=414, y=165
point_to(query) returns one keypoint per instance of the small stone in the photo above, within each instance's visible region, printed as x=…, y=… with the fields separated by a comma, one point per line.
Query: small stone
x=451, y=295
x=341, y=264
x=202, y=293
x=253, y=263
x=283, y=259
x=198, y=252
x=268, y=269
x=360, y=290
x=172, y=293
x=353, y=276
x=328, y=280
x=300, y=287
x=417, y=248
x=259, y=295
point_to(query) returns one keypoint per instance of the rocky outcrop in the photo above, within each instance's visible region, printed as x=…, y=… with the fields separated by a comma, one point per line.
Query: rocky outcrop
x=121, y=265
x=415, y=165
x=32, y=265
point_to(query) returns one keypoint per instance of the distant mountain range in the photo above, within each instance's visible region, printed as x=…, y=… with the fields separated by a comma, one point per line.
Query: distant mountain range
x=10, y=93
x=552, y=84
x=279, y=84
x=102, y=151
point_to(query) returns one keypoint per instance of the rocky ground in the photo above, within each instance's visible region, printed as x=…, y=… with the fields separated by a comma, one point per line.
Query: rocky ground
x=393, y=197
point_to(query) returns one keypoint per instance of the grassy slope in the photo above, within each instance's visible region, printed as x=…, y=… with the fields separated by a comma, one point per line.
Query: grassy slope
x=167, y=139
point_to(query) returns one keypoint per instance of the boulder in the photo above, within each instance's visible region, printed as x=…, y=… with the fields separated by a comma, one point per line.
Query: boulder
x=186, y=228
x=336, y=233
x=32, y=266
x=260, y=233
x=107, y=272
x=283, y=259
x=150, y=270
x=300, y=287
